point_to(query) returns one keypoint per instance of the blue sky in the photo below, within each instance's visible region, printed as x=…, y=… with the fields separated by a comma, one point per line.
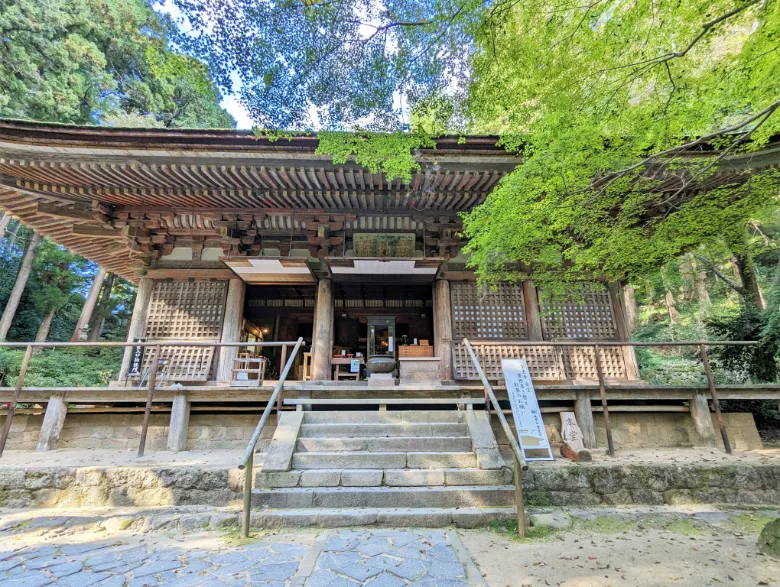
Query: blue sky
x=230, y=102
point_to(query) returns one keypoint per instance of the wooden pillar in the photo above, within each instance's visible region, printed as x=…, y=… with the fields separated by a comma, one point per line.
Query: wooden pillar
x=53, y=420
x=322, y=346
x=137, y=326
x=89, y=304
x=442, y=327
x=533, y=317
x=702, y=420
x=180, y=422
x=232, y=326
x=618, y=311
x=584, y=414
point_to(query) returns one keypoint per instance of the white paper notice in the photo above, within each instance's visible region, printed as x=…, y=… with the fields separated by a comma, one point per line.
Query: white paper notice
x=525, y=407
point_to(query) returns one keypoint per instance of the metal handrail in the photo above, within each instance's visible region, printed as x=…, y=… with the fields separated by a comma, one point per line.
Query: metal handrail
x=247, y=461
x=519, y=460
x=152, y=385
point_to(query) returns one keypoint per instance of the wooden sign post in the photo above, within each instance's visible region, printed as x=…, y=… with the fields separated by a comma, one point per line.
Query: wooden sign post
x=525, y=410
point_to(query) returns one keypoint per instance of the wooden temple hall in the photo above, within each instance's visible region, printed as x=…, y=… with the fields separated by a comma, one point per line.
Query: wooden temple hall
x=236, y=238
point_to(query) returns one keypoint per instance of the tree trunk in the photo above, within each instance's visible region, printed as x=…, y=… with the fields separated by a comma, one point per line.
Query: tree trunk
x=4, y=220
x=629, y=302
x=699, y=276
x=674, y=315
x=21, y=282
x=89, y=304
x=9, y=242
x=103, y=309
x=747, y=274
x=45, y=327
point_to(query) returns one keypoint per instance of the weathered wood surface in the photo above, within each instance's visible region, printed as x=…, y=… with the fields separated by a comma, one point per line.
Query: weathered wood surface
x=53, y=420
x=137, y=322
x=584, y=414
x=322, y=350
x=180, y=421
x=442, y=327
x=225, y=393
x=232, y=326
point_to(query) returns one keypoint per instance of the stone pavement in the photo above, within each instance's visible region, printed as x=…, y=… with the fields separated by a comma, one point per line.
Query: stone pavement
x=350, y=558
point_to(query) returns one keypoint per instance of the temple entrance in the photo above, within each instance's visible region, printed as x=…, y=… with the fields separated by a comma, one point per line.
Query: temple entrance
x=400, y=316
x=379, y=319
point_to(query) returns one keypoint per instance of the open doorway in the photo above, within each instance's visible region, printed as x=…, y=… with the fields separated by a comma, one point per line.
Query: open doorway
x=280, y=313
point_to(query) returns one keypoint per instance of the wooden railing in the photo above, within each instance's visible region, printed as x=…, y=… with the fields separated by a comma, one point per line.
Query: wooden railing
x=152, y=383
x=247, y=461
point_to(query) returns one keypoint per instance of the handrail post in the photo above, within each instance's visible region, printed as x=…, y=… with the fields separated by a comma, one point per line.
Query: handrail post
x=603, y=394
x=17, y=391
x=247, y=461
x=519, y=461
x=247, y=511
x=149, y=399
x=705, y=359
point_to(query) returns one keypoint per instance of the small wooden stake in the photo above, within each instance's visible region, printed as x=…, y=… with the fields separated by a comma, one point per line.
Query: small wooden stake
x=603, y=394
x=17, y=391
x=149, y=398
x=705, y=359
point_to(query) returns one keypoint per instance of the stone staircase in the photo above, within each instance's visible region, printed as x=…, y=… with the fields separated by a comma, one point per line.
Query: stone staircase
x=394, y=468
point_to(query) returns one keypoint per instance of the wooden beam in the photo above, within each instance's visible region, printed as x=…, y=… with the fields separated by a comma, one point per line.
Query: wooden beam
x=62, y=212
x=92, y=231
x=181, y=274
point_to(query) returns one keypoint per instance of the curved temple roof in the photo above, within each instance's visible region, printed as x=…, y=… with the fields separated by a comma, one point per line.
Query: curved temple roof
x=123, y=197
x=112, y=194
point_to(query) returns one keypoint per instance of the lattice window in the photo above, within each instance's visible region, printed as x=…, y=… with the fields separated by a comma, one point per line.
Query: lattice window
x=587, y=314
x=494, y=314
x=186, y=311
x=545, y=362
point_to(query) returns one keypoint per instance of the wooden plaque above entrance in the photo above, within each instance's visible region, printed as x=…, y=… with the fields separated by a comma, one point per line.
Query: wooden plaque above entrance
x=272, y=270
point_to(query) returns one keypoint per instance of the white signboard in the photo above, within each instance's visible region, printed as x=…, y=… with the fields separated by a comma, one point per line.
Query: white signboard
x=525, y=408
x=354, y=366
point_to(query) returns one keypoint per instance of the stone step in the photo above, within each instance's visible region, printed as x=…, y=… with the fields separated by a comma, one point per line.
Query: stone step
x=383, y=417
x=392, y=430
x=378, y=477
x=469, y=517
x=385, y=444
x=386, y=497
x=383, y=460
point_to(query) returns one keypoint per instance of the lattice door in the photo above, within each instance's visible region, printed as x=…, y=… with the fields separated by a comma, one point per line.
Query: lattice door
x=586, y=314
x=186, y=311
x=488, y=314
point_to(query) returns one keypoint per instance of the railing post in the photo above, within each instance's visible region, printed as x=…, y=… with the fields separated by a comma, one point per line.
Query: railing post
x=705, y=359
x=516, y=451
x=603, y=394
x=519, y=498
x=17, y=391
x=247, y=511
x=149, y=397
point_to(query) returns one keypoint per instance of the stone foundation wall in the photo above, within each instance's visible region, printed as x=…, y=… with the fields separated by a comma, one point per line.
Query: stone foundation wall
x=119, y=486
x=545, y=484
x=651, y=484
x=634, y=430
x=123, y=431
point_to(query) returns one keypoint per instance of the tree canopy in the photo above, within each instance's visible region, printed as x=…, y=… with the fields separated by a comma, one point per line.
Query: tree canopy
x=100, y=61
x=607, y=102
